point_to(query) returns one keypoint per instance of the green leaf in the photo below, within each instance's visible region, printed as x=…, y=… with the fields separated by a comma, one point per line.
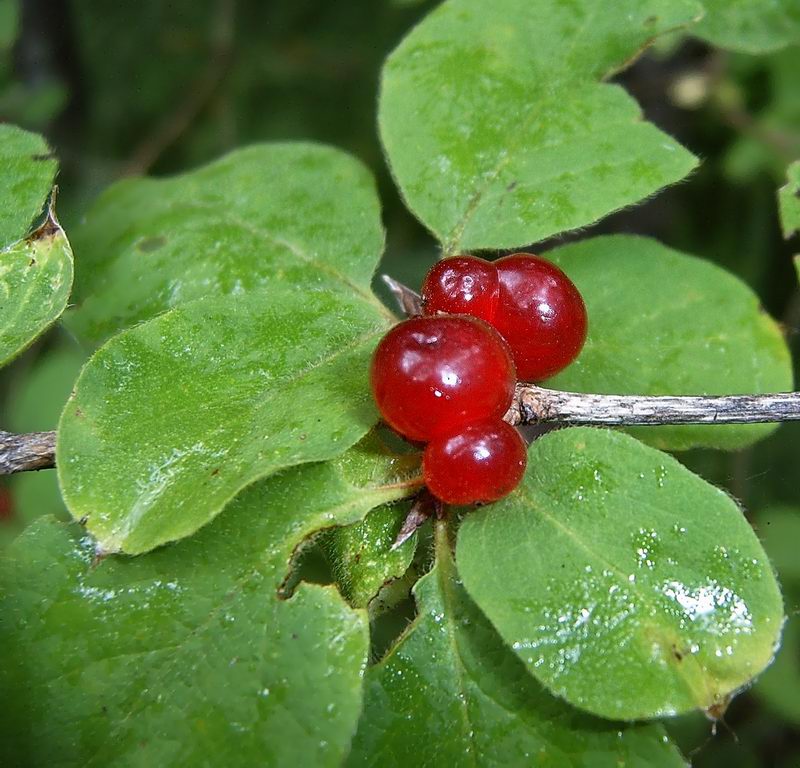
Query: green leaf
x=789, y=201
x=627, y=584
x=35, y=282
x=497, y=141
x=35, y=271
x=750, y=26
x=451, y=693
x=266, y=214
x=662, y=322
x=172, y=418
x=27, y=170
x=186, y=655
x=361, y=557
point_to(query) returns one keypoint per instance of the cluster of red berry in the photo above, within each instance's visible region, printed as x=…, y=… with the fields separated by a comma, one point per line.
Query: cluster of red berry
x=447, y=378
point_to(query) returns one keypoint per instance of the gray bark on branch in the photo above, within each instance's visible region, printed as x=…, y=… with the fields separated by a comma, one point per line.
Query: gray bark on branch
x=22, y=453
x=537, y=405
x=532, y=405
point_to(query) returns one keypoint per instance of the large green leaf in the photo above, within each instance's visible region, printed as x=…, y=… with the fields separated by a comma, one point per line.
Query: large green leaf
x=498, y=129
x=286, y=213
x=35, y=270
x=627, y=584
x=662, y=322
x=451, y=693
x=172, y=418
x=750, y=26
x=186, y=656
x=789, y=201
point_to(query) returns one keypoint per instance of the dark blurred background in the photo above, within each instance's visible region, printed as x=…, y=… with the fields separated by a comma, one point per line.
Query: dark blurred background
x=160, y=86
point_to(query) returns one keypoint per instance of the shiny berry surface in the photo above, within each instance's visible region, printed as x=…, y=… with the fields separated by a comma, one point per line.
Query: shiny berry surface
x=483, y=461
x=540, y=314
x=462, y=285
x=434, y=374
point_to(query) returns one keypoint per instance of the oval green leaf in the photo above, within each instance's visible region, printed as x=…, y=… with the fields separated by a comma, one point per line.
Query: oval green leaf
x=171, y=419
x=625, y=583
x=452, y=690
x=664, y=323
x=750, y=26
x=186, y=656
x=35, y=269
x=498, y=135
x=35, y=282
x=285, y=213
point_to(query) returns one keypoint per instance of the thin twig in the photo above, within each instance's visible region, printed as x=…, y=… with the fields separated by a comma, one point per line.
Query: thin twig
x=22, y=453
x=537, y=405
x=409, y=302
x=532, y=405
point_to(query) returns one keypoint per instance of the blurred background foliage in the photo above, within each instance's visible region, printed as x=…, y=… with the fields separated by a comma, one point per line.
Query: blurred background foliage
x=158, y=87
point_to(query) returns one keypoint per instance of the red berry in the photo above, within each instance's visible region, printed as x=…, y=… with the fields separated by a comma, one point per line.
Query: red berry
x=434, y=374
x=534, y=306
x=462, y=285
x=482, y=461
x=540, y=314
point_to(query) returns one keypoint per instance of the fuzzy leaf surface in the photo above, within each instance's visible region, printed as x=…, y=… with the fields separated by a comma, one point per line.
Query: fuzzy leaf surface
x=626, y=584
x=35, y=268
x=27, y=171
x=452, y=693
x=496, y=142
x=361, y=557
x=750, y=26
x=187, y=656
x=290, y=213
x=172, y=418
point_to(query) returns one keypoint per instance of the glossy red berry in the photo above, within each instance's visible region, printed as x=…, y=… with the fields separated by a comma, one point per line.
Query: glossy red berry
x=481, y=461
x=462, y=285
x=534, y=306
x=434, y=374
x=541, y=315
